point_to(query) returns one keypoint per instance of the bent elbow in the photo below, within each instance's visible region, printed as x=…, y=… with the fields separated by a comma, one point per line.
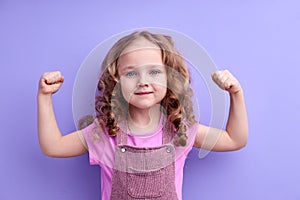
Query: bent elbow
x=241, y=145
x=49, y=152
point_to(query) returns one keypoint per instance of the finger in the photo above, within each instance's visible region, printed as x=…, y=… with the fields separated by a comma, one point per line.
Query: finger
x=215, y=76
x=219, y=78
x=233, y=86
x=55, y=87
x=53, y=78
x=228, y=83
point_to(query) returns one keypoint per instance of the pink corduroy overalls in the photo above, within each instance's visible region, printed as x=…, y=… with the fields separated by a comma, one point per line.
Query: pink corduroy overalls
x=144, y=172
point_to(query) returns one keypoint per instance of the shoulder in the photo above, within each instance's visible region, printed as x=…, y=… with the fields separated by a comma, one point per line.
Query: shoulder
x=94, y=132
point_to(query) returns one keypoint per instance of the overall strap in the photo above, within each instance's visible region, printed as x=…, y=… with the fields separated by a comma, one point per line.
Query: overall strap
x=121, y=135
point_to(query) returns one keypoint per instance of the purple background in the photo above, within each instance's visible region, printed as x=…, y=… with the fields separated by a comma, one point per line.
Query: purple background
x=258, y=41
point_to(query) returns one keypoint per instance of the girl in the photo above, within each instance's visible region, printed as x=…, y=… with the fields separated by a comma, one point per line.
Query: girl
x=145, y=125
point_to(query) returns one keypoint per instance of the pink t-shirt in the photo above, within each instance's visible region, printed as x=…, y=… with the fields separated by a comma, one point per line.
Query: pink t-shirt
x=101, y=149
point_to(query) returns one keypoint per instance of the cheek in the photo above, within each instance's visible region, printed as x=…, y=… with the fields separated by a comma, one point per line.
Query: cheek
x=160, y=81
x=161, y=89
x=127, y=88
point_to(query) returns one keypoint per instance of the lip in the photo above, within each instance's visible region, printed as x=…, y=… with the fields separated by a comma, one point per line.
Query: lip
x=142, y=93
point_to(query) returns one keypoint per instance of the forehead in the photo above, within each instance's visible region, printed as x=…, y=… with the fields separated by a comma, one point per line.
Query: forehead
x=139, y=44
x=140, y=52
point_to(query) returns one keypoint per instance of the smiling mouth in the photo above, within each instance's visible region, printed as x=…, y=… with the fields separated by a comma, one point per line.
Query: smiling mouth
x=142, y=93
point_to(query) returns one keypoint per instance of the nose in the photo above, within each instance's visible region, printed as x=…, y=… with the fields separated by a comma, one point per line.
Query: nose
x=143, y=81
x=143, y=84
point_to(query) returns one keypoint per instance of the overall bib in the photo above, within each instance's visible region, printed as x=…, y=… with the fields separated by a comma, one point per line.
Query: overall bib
x=144, y=172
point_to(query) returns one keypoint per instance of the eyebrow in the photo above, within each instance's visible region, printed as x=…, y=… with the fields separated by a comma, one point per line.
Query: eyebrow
x=127, y=67
x=130, y=67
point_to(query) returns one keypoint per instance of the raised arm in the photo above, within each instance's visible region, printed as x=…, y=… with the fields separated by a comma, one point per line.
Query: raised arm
x=51, y=140
x=236, y=134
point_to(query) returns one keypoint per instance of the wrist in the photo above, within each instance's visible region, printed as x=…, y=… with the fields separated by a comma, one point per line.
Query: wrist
x=43, y=96
x=238, y=93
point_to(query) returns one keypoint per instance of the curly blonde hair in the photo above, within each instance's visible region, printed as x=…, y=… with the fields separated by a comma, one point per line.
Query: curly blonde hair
x=177, y=103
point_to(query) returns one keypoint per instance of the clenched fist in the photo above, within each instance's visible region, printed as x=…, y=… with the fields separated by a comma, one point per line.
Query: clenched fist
x=226, y=81
x=50, y=82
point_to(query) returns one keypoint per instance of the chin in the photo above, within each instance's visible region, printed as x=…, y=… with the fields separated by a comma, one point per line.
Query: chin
x=139, y=105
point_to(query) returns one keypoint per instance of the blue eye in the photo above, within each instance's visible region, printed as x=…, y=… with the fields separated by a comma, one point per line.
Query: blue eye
x=131, y=74
x=155, y=72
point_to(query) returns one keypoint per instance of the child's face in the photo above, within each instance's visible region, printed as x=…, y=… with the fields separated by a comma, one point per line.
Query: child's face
x=142, y=75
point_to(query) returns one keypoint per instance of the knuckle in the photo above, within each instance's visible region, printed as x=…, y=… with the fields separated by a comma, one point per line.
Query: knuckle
x=57, y=73
x=44, y=75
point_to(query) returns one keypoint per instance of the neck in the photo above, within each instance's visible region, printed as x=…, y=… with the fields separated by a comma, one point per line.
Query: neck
x=144, y=120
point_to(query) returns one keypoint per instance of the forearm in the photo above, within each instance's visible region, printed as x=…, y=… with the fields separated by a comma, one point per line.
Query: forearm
x=237, y=124
x=48, y=131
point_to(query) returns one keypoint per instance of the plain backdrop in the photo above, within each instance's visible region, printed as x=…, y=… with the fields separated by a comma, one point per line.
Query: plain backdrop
x=258, y=41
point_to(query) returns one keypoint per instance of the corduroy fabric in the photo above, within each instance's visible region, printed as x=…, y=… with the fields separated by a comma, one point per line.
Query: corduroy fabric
x=144, y=173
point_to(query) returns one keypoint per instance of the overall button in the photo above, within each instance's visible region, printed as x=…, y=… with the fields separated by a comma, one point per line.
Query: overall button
x=168, y=149
x=123, y=149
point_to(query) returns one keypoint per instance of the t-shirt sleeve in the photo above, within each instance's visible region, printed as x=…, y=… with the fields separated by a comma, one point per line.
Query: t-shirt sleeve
x=87, y=136
x=100, y=146
x=192, y=133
